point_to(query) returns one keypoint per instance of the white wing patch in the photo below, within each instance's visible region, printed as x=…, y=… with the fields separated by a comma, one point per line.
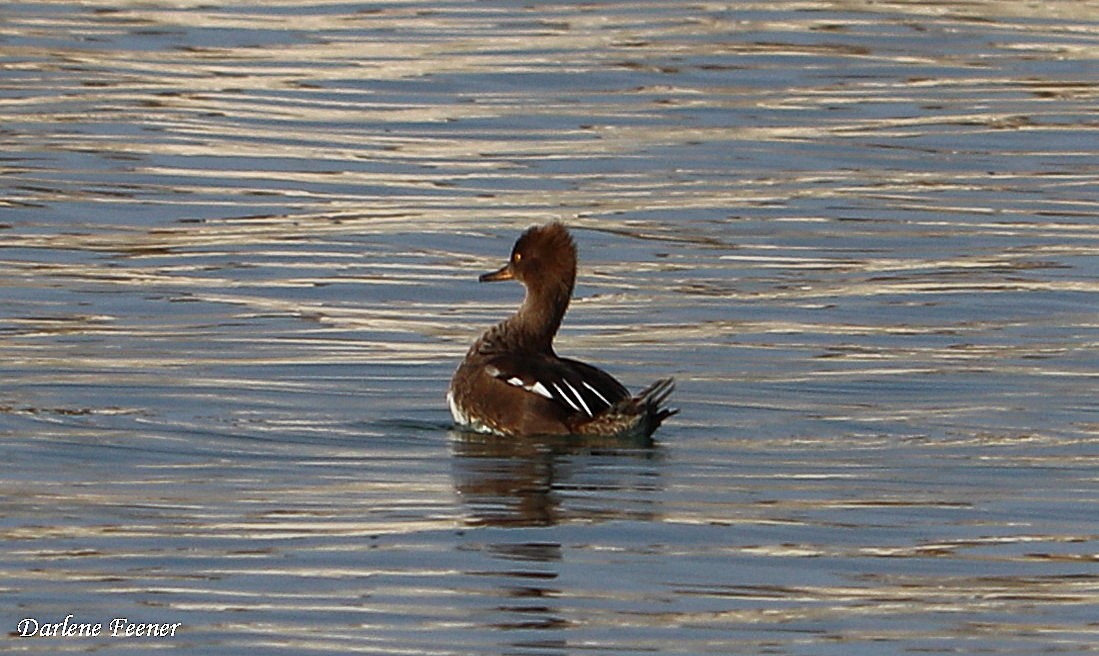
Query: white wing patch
x=575, y=394
x=580, y=399
x=538, y=388
x=565, y=397
x=596, y=392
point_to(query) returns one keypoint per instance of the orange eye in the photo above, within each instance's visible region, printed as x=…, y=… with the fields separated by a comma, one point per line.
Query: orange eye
x=515, y=258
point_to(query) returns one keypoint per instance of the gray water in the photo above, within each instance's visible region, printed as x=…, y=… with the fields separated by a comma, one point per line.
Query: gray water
x=238, y=251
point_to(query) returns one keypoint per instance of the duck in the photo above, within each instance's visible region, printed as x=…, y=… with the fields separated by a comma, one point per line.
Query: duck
x=512, y=383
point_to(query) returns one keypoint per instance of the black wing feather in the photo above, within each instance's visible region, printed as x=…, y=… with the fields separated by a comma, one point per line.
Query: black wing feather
x=577, y=386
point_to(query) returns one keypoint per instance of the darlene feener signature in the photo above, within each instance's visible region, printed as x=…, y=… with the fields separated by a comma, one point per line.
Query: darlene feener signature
x=119, y=627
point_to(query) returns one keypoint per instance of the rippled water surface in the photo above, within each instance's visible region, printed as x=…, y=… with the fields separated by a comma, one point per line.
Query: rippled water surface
x=238, y=251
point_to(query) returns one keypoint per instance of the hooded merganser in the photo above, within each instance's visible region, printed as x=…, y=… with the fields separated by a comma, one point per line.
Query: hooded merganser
x=511, y=381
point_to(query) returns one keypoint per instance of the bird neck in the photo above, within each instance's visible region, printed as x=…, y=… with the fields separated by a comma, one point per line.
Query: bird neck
x=541, y=313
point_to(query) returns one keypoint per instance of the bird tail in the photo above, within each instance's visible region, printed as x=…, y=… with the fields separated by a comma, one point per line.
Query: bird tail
x=636, y=416
x=653, y=401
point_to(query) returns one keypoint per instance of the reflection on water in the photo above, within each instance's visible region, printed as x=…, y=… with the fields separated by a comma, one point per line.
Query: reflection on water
x=239, y=247
x=521, y=482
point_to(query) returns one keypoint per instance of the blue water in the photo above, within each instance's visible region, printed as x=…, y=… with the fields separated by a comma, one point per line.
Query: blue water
x=239, y=248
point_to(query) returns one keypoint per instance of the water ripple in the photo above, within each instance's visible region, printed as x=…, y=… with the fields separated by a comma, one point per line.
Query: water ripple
x=240, y=244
